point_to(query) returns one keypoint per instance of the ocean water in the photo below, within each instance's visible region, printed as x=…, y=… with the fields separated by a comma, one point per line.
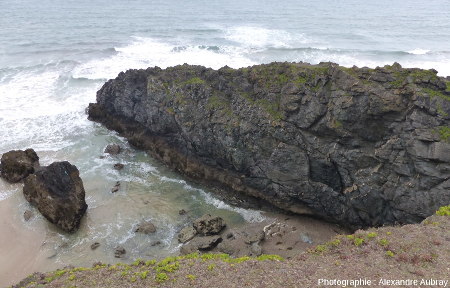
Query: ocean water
x=55, y=55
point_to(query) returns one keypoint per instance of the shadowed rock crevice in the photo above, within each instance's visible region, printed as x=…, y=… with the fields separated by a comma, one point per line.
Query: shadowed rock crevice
x=357, y=146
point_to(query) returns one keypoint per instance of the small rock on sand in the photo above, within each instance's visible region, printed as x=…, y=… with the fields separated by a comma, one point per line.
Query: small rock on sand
x=116, y=187
x=27, y=215
x=95, y=245
x=119, y=252
x=145, y=227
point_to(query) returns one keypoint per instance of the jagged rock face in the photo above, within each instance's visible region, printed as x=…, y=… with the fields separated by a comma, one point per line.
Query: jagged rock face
x=58, y=193
x=18, y=164
x=358, y=146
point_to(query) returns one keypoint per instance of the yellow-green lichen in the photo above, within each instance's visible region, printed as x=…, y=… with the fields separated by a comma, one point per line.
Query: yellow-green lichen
x=383, y=242
x=389, y=253
x=444, y=211
x=161, y=277
x=265, y=257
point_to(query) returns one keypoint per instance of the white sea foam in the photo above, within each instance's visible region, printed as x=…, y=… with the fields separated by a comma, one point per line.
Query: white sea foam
x=37, y=107
x=148, y=52
x=248, y=214
x=349, y=59
x=258, y=37
x=418, y=51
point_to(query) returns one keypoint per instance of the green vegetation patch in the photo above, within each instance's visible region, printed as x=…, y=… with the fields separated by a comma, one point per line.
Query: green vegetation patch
x=389, y=253
x=265, y=257
x=443, y=211
x=194, y=81
x=435, y=93
x=444, y=133
x=424, y=75
x=358, y=241
x=161, y=277
x=270, y=107
x=383, y=242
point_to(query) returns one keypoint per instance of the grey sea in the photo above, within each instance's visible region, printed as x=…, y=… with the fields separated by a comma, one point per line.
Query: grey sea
x=55, y=55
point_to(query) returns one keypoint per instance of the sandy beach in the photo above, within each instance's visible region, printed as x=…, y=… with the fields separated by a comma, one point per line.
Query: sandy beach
x=20, y=247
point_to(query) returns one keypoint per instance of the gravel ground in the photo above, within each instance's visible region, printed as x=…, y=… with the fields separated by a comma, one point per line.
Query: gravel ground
x=418, y=252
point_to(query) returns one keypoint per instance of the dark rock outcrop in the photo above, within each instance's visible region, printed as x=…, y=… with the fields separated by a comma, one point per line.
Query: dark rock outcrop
x=58, y=193
x=18, y=164
x=205, y=243
x=209, y=225
x=358, y=146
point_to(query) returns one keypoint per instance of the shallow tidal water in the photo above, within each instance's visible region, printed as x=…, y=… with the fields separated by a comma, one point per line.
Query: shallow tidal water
x=54, y=56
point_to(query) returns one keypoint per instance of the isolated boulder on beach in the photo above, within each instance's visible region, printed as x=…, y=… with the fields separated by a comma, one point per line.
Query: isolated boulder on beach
x=18, y=164
x=58, y=193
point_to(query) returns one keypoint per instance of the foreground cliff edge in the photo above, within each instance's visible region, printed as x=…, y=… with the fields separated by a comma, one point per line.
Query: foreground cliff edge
x=406, y=256
x=358, y=146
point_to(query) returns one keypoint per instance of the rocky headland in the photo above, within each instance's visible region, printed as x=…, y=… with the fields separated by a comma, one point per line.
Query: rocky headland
x=357, y=146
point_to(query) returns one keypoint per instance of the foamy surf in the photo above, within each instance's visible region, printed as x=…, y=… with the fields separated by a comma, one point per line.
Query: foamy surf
x=147, y=52
x=259, y=37
x=418, y=51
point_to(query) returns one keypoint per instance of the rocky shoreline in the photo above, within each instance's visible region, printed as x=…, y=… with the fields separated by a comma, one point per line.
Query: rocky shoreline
x=357, y=146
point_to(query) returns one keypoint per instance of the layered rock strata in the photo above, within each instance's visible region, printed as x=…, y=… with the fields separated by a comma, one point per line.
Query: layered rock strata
x=359, y=146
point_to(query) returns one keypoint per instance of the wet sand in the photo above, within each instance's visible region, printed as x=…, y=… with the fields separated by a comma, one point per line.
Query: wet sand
x=20, y=249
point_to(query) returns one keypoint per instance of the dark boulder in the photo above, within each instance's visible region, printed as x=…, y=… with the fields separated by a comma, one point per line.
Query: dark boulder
x=118, y=166
x=358, y=146
x=113, y=149
x=205, y=243
x=119, y=252
x=58, y=193
x=18, y=164
x=209, y=225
